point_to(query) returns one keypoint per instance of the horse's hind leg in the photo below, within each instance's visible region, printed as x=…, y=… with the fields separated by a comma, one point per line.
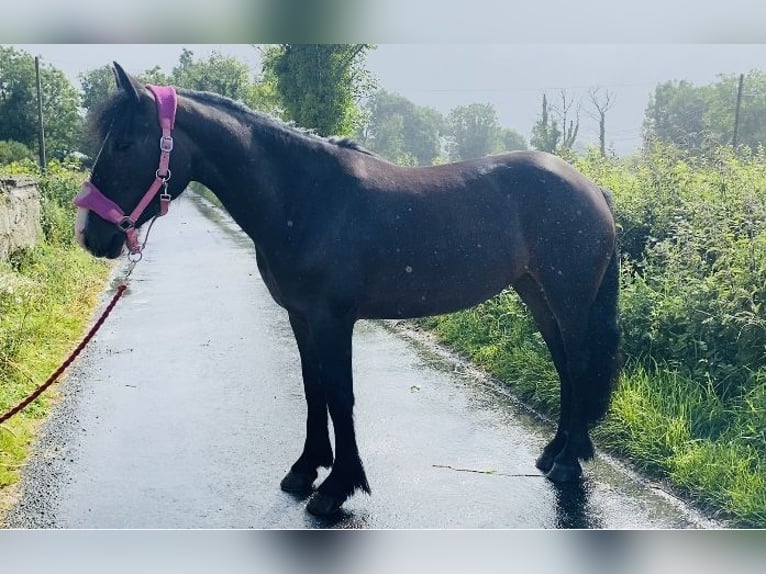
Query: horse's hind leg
x=572, y=318
x=534, y=298
x=331, y=338
x=317, y=450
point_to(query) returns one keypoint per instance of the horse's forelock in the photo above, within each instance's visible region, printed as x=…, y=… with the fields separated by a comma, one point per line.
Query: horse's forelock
x=113, y=114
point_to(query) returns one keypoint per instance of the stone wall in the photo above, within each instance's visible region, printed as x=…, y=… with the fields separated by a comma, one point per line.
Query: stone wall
x=19, y=214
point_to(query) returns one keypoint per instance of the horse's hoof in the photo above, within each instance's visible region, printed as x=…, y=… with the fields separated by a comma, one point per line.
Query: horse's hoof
x=560, y=472
x=544, y=463
x=297, y=482
x=321, y=504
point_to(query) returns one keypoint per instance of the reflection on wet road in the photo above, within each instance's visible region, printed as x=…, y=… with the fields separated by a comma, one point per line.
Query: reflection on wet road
x=188, y=409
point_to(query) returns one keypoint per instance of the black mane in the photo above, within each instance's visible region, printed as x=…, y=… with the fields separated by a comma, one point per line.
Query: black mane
x=113, y=113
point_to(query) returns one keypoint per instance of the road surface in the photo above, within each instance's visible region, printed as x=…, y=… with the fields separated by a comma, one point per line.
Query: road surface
x=187, y=410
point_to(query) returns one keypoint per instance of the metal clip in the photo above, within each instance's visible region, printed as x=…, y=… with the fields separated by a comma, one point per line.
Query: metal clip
x=164, y=178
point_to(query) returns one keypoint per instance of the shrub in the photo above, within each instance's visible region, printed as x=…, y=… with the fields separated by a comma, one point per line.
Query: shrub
x=13, y=151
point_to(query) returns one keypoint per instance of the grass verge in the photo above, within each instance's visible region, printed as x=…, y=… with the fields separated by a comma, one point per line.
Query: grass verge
x=661, y=422
x=47, y=297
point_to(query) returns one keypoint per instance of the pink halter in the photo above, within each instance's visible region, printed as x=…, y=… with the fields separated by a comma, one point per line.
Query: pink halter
x=90, y=197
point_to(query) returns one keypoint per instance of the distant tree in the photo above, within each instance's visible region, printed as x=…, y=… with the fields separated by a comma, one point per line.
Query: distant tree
x=18, y=119
x=513, y=140
x=676, y=114
x=18, y=104
x=61, y=110
x=320, y=85
x=11, y=151
x=545, y=132
x=97, y=84
x=556, y=131
x=474, y=131
x=570, y=129
x=700, y=118
x=224, y=75
x=402, y=131
x=156, y=76
x=601, y=105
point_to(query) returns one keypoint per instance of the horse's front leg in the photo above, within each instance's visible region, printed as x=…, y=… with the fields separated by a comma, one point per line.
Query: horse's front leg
x=331, y=337
x=317, y=450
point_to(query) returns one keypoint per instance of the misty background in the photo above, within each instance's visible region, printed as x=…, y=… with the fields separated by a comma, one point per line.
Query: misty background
x=511, y=77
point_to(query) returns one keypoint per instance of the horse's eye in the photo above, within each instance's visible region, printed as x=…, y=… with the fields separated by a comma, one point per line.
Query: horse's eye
x=122, y=145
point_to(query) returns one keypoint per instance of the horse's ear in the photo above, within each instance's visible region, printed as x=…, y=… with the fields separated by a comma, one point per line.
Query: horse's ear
x=127, y=83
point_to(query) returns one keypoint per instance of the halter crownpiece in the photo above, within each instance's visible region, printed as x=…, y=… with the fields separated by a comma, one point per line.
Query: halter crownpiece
x=91, y=198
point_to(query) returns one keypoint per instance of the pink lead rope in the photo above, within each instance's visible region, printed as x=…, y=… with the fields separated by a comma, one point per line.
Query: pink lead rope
x=90, y=197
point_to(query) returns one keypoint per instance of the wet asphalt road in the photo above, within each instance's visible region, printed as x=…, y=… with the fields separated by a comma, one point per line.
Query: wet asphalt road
x=187, y=410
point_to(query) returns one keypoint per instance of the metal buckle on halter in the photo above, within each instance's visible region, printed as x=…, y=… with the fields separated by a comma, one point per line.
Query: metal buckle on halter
x=164, y=178
x=126, y=224
x=166, y=143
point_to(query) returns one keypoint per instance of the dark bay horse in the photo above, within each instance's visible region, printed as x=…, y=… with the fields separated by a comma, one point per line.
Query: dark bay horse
x=341, y=234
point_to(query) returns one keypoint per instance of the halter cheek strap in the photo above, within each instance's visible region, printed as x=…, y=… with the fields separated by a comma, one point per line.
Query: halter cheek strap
x=90, y=197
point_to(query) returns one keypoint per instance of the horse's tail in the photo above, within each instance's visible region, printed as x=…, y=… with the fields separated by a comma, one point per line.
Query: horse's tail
x=603, y=339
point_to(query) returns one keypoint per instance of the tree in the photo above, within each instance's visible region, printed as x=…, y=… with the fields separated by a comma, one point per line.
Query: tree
x=676, y=114
x=700, y=118
x=546, y=134
x=12, y=151
x=569, y=135
x=18, y=119
x=61, y=110
x=601, y=106
x=474, y=131
x=320, y=85
x=18, y=104
x=402, y=131
x=156, y=76
x=225, y=75
x=97, y=84
x=513, y=140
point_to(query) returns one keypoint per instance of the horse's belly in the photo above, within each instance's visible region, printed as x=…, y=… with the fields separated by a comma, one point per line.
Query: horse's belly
x=433, y=295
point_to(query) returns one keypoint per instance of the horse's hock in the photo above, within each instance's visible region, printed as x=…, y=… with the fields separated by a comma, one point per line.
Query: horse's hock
x=19, y=214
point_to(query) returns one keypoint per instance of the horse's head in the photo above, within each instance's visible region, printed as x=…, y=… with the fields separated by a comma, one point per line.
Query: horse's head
x=126, y=167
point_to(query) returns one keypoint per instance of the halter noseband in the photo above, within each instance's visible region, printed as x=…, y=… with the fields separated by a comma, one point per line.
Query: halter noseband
x=90, y=197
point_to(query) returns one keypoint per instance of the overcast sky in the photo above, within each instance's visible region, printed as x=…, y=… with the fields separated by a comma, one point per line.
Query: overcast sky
x=510, y=76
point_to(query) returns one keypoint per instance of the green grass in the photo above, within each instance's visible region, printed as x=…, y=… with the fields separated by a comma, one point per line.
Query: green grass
x=47, y=296
x=690, y=407
x=661, y=422
x=46, y=301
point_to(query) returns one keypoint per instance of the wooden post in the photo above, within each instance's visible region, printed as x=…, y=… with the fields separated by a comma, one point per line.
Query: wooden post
x=734, y=140
x=40, y=128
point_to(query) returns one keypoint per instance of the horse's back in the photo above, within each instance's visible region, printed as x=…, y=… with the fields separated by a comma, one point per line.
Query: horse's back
x=446, y=237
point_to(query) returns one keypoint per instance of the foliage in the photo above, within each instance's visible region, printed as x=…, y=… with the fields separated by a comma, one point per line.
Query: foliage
x=320, y=85
x=474, y=131
x=555, y=135
x=47, y=294
x=545, y=132
x=96, y=84
x=18, y=104
x=223, y=75
x=692, y=399
x=13, y=151
x=402, y=131
x=701, y=118
x=512, y=140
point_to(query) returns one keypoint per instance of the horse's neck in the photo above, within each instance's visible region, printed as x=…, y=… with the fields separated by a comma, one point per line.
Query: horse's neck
x=233, y=161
